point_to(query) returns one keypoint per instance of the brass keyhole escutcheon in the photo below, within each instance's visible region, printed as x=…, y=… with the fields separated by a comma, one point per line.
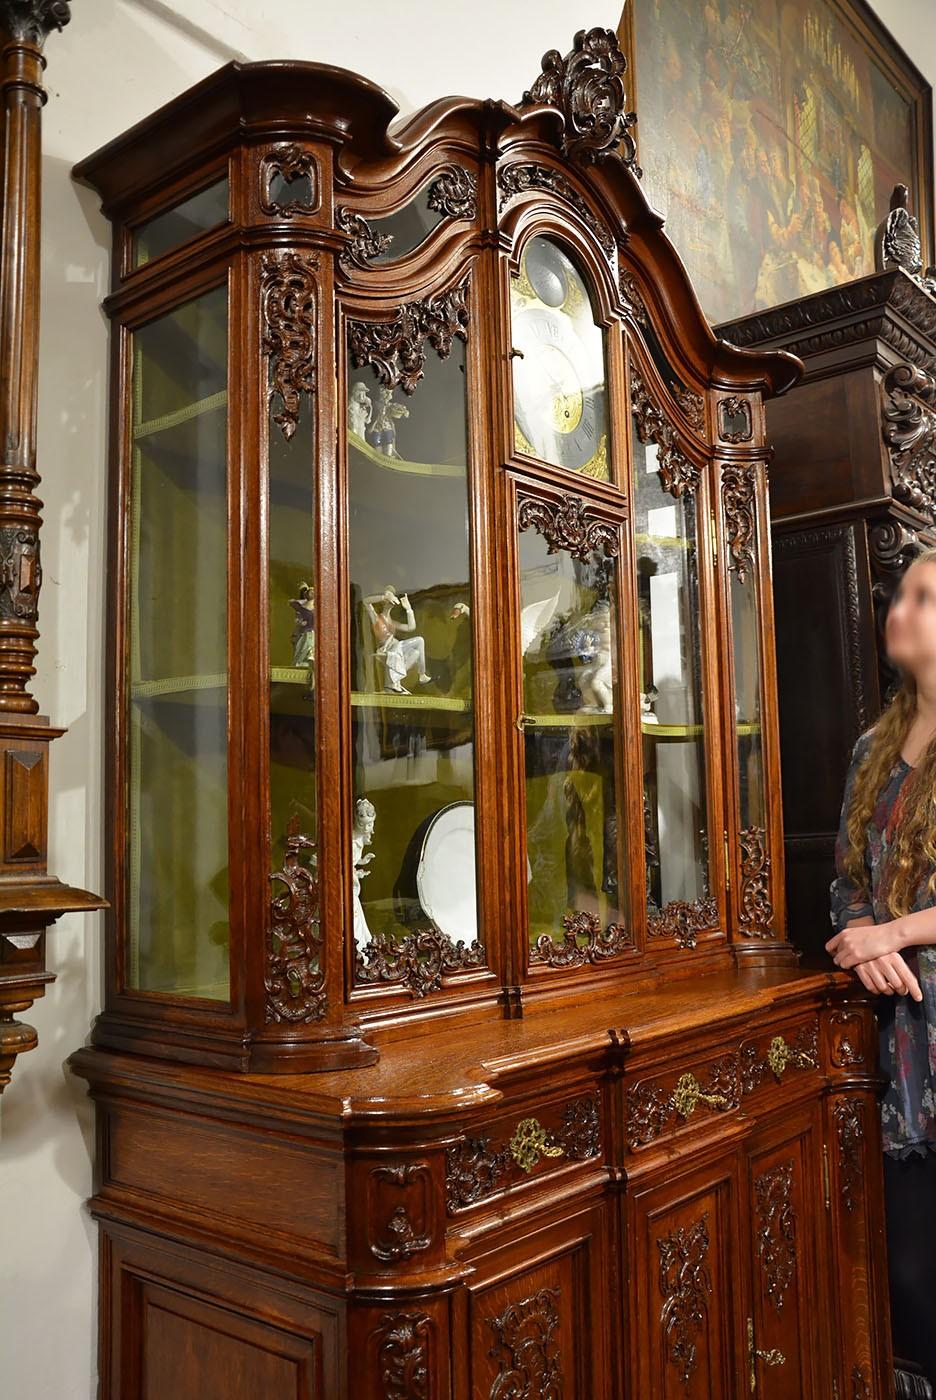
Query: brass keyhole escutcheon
x=769, y=1358
x=530, y=1142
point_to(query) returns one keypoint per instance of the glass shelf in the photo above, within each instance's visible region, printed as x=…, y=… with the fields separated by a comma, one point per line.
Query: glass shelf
x=181, y=415
x=402, y=464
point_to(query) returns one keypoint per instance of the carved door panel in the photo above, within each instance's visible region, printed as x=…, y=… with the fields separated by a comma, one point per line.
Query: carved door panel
x=787, y=1352
x=684, y=1292
x=541, y=1331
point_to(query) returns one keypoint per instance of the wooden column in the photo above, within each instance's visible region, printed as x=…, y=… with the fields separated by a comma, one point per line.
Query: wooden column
x=30, y=898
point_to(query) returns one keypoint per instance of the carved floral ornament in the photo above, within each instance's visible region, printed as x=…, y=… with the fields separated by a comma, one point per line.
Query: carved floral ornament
x=453, y=194
x=295, y=166
x=287, y=308
x=396, y=348
x=909, y=429
x=677, y=472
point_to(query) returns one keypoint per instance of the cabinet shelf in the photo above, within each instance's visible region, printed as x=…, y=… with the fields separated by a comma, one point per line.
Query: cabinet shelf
x=401, y=464
x=181, y=415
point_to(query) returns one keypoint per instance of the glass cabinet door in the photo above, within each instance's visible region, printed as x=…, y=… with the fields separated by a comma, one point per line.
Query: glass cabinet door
x=412, y=677
x=670, y=648
x=576, y=882
x=177, y=655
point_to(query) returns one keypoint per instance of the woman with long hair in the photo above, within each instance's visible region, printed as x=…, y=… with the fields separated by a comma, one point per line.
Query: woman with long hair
x=883, y=908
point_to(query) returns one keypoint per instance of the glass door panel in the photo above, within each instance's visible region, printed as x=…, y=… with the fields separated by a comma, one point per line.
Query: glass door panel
x=667, y=555
x=178, y=685
x=568, y=623
x=412, y=725
x=746, y=651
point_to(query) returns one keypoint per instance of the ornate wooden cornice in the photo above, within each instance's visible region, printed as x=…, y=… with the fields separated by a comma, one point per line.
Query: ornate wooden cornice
x=30, y=898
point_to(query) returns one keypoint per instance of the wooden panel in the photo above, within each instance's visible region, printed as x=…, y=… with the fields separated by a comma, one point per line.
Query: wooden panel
x=25, y=816
x=685, y=1292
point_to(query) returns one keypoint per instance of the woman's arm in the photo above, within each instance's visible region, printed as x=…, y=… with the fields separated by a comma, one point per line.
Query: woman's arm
x=849, y=904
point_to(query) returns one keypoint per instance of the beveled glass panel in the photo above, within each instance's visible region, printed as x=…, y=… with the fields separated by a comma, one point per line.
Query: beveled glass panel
x=195, y=215
x=568, y=625
x=746, y=652
x=292, y=476
x=670, y=686
x=412, y=726
x=178, y=830
x=558, y=357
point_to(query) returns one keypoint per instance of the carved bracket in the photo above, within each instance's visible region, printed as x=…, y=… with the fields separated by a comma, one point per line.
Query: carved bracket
x=587, y=86
x=396, y=349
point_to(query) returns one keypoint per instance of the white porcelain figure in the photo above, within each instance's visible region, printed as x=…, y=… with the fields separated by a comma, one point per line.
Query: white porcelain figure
x=595, y=679
x=361, y=836
x=360, y=409
x=383, y=427
x=398, y=657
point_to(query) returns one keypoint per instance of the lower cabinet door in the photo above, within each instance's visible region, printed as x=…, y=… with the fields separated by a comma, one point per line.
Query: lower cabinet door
x=684, y=1290
x=786, y=1324
x=541, y=1329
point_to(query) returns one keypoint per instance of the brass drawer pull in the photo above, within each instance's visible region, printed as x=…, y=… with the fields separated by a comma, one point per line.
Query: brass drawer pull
x=530, y=1142
x=688, y=1093
x=781, y=1054
x=769, y=1358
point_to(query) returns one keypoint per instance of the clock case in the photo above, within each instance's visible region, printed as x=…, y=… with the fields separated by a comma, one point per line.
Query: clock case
x=312, y=160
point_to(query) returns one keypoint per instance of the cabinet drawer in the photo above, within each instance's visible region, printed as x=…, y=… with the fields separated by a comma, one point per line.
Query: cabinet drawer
x=520, y=1145
x=773, y=1057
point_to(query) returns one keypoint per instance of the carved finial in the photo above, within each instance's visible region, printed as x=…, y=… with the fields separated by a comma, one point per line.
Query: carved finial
x=588, y=88
x=31, y=21
x=897, y=240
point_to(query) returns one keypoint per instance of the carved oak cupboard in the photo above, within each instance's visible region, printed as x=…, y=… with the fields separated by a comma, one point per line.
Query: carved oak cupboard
x=453, y=1045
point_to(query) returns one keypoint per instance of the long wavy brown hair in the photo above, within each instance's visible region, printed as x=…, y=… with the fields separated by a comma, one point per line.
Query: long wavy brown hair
x=912, y=854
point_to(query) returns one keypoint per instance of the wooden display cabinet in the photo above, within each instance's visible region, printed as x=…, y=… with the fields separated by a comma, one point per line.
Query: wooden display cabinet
x=454, y=1044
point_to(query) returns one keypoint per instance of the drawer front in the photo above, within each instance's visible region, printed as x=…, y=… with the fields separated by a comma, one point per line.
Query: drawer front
x=678, y=1096
x=521, y=1145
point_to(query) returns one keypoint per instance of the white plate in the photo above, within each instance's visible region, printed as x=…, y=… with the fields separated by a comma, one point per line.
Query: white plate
x=445, y=875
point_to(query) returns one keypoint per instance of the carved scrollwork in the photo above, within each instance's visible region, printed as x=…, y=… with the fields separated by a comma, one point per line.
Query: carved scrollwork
x=692, y=405
x=677, y=472
x=734, y=419
x=846, y=1038
x=294, y=977
x=454, y=193
x=848, y=1115
x=587, y=86
x=366, y=242
x=738, y=483
x=776, y=1235
x=685, y=1284
x=31, y=21
x=568, y=525
x=403, y=1355
x=20, y=573
x=600, y=943
x=399, y=1239
x=528, y=175
x=909, y=428
x=417, y=960
x=802, y=1053
x=396, y=349
x=682, y=919
x=295, y=165
x=288, y=292
x=527, y=1350
x=755, y=909
x=632, y=297
x=651, y=1110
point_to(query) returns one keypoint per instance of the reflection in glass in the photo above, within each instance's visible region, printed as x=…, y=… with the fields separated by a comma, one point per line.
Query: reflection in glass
x=195, y=215
x=559, y=380
x=568, y=622
x=670, y=686
x=746, y=652
x=413, y=847
x=177, y=841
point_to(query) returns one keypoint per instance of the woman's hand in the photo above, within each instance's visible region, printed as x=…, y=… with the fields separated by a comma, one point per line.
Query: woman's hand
x=889, y=974
x=860, y=943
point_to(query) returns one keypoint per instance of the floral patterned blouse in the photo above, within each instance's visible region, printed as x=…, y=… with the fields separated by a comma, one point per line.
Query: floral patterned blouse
x=907, y=1028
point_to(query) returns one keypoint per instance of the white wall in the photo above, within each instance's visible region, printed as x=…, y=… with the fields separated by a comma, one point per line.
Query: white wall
x=115, y=62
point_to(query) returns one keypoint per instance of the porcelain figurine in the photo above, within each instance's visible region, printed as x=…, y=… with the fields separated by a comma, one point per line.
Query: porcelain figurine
x=646, y=706
x=596, y=680
x=360, y=409
x=382, y=431
x=362, y=835
x=303, y=634
x=398, y=656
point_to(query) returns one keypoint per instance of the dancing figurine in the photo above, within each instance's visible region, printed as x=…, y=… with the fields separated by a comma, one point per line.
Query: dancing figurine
x=383, y=427
x=360, y=409
x=303, y=634
x=398, y=657
x=362, y=835
x=596, y=680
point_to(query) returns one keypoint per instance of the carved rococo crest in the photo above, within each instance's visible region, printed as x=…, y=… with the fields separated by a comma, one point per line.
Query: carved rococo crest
x=566, y=524
x=396, y=348
x=515, y=179
x=909, y=427
x=600, y=943
x=287, y=308
x=677, y=472
x=294, y=978
x=587, y=86
x=295, y=165
x=682, y=919
x=417, y=960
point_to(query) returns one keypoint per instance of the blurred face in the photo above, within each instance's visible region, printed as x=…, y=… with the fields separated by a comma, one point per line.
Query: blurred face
x=910, y=633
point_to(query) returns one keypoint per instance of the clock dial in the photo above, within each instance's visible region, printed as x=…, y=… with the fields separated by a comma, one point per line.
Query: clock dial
x=560, y=412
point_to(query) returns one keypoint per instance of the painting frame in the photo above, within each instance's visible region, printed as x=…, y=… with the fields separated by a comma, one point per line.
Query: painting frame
x=903, y=78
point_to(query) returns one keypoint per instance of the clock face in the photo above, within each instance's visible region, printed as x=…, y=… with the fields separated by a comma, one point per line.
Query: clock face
x=560, y=412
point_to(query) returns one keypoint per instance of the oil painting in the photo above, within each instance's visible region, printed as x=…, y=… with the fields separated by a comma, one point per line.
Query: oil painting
x=771, y=134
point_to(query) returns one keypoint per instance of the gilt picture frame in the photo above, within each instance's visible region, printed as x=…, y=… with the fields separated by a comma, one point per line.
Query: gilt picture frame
x=771, y=134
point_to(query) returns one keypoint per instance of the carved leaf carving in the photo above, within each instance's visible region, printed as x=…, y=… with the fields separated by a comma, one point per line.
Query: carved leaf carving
x=396, y=349
x=294, y=978
x=288, y=290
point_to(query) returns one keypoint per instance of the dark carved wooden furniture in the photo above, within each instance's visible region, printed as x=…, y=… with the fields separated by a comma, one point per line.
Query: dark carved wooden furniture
x=30, y=898
x=454, y=1044
x=853, y=499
